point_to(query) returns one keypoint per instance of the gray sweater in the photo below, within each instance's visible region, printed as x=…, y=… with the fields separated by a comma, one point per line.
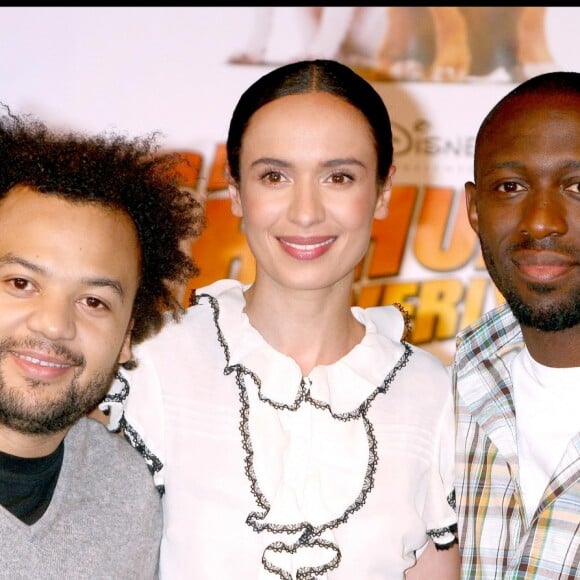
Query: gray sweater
x=104, y=521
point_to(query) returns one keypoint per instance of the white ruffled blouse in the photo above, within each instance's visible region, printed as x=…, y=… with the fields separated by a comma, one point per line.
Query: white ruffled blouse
x=268, y=474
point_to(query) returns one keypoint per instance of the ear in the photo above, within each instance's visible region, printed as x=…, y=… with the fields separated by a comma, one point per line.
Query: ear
x=470, y=195
x=382, y=205
x=126, y=352
x=234, y=193
x=236, y=205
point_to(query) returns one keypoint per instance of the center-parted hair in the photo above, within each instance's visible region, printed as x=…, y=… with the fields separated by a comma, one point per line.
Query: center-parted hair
x=123, y=174
x=311, y=76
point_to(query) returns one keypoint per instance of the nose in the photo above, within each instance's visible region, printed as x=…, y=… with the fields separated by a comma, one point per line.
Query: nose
x=544, y=215
x=306, y=205
x=53, y=318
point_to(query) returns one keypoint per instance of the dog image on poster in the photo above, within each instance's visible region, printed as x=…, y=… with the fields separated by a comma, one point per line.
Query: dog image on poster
x=417, y=43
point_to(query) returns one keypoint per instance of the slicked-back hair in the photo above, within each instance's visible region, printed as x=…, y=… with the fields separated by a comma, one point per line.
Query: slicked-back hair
x=311, y=76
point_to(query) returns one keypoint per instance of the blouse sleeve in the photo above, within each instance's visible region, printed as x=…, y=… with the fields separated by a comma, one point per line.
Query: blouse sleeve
x=440, y=514
x=135, y=408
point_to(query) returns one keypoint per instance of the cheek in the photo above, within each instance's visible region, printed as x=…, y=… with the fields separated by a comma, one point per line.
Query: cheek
x=494, y=227
x=103, y=343
x=259, y=215
x=358, y=215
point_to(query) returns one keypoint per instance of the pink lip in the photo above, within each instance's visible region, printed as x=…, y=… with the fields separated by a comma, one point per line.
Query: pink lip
x=40, y=366
x=306, y=248
x=543, y=266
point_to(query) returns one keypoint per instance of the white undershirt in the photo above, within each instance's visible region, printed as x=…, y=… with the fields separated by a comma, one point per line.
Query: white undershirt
x=547, y=402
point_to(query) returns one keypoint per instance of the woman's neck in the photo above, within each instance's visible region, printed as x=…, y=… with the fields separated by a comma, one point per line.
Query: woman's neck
x=314, y=327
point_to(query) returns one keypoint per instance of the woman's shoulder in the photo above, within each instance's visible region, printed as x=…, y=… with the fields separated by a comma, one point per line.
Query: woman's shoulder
x=220, y=288
x=392, y=323
x=220, y=296
x=389, y=321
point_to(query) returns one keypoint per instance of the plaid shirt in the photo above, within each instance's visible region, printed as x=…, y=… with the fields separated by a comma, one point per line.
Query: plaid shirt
x=495, y=538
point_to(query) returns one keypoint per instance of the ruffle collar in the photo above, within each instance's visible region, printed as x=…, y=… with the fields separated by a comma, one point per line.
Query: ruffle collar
x=342, y=386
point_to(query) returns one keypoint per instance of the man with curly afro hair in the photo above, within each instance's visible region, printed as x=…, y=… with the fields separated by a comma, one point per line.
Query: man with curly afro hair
x=91, y=237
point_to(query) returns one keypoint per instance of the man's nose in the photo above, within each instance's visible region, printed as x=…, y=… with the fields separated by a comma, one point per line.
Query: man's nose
x=544, y=215
x=53, y=317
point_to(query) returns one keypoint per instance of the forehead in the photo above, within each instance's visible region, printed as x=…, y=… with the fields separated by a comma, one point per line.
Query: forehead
x=533, y=123
x=535, y=110
x=307, y=117
x=64, y=234
x=23, y=203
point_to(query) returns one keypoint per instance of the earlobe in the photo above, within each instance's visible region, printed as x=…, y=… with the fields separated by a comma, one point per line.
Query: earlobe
x=382, y=205
x=126, y=353
x=236, y=202
x=470, y=195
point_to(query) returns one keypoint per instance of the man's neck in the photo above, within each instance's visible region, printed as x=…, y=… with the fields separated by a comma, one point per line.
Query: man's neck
x=29, y=444
x=560, y=349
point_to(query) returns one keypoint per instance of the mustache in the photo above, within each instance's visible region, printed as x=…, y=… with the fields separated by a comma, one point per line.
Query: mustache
x=549, y=243
x=70, y=357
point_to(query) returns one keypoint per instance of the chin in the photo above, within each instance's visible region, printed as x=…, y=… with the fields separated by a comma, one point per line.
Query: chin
x=551, y=317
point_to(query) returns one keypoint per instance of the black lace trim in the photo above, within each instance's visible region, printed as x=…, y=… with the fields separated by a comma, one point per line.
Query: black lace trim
x=119, y=397
x=440, y=532
x=451, y=500
x=153, y=462
x=302, y=573
x=310, y=536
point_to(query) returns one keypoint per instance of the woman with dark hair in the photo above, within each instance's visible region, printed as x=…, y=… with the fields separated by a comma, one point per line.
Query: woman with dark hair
x=292, y=437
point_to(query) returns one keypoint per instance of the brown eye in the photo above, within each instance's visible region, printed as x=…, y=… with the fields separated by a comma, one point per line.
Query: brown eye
x=341, y=177
x=510, y=187
x=20, y=283
x=93, y=302
x=573, y=188
x=274, y=177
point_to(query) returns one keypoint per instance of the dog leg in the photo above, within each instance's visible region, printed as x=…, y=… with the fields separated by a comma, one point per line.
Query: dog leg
x=452, y=54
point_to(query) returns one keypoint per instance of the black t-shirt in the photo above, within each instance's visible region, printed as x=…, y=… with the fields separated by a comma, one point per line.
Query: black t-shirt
x=27, y=484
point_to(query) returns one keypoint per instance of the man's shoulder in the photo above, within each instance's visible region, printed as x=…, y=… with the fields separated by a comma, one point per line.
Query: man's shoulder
x=492, y=330
x=107, y=466
x=92, y=443
x=498, y=315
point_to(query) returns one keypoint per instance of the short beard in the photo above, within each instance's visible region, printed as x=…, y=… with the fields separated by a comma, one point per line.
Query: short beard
x=552, y=317
x=40, y=418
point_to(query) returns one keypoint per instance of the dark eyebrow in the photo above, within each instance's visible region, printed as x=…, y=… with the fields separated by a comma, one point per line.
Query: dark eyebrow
x=330, y=163
x=13, y=259
x=572, y=164
x=344, y=161
x=115, y=285
x=269, y=161
x=508, y=165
